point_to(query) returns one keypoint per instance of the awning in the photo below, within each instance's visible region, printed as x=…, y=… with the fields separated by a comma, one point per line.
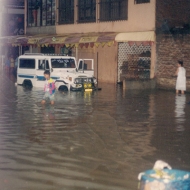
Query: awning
x=80, y=39
x=148, y=36
x=69, y=40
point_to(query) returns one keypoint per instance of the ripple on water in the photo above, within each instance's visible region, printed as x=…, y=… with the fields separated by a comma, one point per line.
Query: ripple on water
x=98, y=140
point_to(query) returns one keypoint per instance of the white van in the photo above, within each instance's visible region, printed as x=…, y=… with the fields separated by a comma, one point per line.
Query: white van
x=67, y=74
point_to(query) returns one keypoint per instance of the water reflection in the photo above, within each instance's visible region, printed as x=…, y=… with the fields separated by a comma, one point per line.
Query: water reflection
x=136, y=124
x=180, y=102
x=48, y=112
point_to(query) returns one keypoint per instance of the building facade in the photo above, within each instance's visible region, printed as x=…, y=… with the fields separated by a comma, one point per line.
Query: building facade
x=98, y=29
x=120, y=35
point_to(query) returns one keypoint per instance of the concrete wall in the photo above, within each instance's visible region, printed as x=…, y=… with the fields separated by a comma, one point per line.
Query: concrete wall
x=141, y=17
x=170, y=49
x=41, y=30
x=139, y=84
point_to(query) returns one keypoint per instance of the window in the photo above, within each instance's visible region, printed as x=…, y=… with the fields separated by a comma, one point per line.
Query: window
x=66, y=11
x=43, y=65
x=111, y=10
x=27, y=64
x=87, y=11
x=141, y=1
x=41, y=12
x=48, y=12
x=87, y=65
x=63, y=63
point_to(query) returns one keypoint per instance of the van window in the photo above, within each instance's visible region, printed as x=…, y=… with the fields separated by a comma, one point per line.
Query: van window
x=80, y=64
x=47, y=65
x=87, y=65
x=43, y=64
x=63, y=63
x=27, y=63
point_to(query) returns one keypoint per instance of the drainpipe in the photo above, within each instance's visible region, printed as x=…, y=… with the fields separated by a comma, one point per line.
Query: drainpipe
x=1, y=61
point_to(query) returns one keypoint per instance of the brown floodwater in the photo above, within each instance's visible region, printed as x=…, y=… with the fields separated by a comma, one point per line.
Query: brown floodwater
x=89, y=140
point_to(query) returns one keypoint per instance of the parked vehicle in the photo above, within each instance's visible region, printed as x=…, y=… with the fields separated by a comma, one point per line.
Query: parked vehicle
x=67, y=74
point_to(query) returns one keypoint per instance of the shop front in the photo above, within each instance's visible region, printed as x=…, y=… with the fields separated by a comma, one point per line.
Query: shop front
x=117, y=56
x=98, y=46
x=136, y=55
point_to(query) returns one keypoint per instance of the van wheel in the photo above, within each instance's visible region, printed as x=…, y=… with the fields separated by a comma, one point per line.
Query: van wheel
x=27, y=83
x=63, y=88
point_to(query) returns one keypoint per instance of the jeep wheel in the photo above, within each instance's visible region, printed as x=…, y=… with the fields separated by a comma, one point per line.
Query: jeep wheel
x=27, y=83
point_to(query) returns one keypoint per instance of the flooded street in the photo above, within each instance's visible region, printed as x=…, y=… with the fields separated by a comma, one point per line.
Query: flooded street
x=94, y=140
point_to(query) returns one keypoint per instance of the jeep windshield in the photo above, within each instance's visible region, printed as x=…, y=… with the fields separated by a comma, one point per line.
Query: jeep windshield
x=62, y=63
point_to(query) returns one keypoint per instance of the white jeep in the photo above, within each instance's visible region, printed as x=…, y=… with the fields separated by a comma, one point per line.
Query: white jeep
x=67, y=74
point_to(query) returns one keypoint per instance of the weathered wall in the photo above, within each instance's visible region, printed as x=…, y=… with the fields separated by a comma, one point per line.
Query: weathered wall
x=138, y=15
x=171, y=14
x=41, y=30
x=139, y=84
x=170, y=49
x=107, y=64
x=176, y=12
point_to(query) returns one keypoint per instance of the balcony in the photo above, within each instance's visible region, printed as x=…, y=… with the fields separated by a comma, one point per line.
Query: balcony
x=14, y=4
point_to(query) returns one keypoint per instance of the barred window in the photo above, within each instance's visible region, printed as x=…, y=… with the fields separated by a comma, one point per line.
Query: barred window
x=48, y=12
x=66, y=11
x=86, y=11
x=141, y=1
x=41, y=13
x=111, y=10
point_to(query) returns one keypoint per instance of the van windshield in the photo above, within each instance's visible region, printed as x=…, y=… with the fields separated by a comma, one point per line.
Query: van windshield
x=62, y=63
